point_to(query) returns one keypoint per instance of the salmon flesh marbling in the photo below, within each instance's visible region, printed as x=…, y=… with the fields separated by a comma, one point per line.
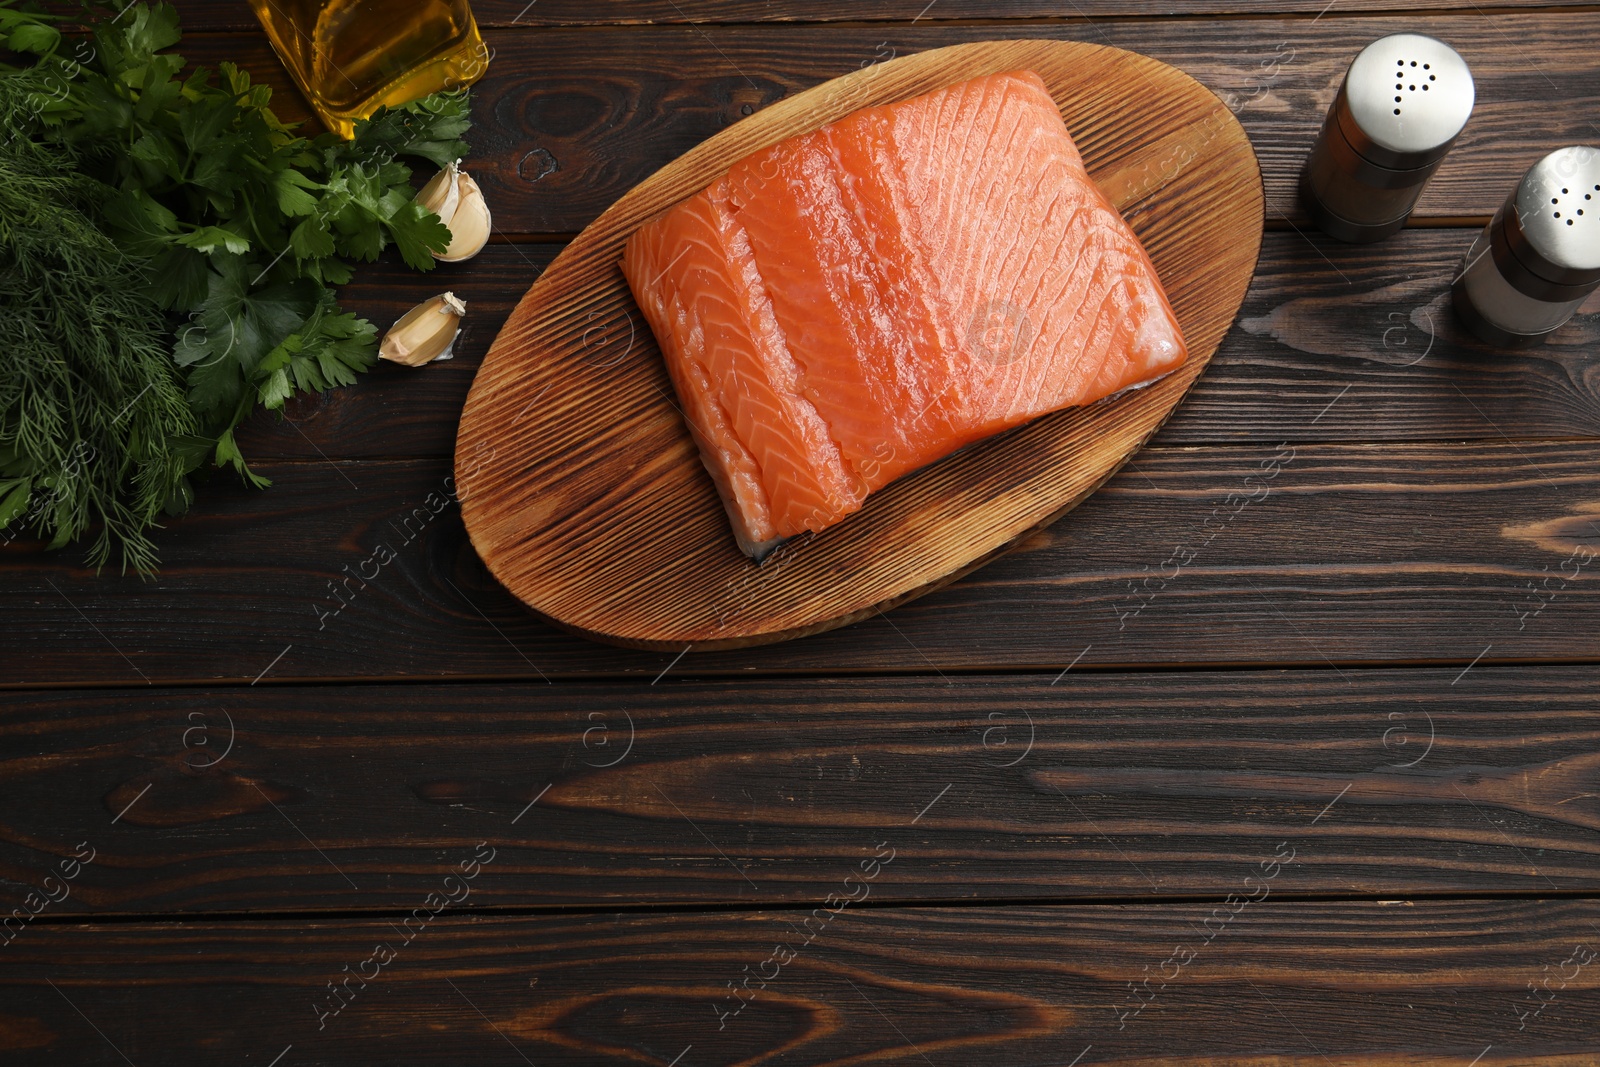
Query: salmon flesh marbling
x=848, y=305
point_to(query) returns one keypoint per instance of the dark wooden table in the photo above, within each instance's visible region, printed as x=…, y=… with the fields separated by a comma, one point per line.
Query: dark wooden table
x=1328, y=793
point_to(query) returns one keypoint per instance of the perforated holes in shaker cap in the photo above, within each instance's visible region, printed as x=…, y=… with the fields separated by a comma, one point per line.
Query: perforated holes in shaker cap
x=1558, y=209
x=1409, y=95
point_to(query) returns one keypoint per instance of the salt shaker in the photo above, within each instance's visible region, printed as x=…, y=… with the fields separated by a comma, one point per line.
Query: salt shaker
x=1404, y=100
x=1539, y=257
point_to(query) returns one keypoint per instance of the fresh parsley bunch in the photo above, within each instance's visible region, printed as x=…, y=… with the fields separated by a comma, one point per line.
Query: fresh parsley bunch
x=195, y=209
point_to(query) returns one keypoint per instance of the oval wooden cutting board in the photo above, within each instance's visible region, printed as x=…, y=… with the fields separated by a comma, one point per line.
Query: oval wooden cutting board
x=584, y=494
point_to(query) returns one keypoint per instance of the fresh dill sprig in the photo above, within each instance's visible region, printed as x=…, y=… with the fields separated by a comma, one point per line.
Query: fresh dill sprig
x=170, y=249
x=94, y=427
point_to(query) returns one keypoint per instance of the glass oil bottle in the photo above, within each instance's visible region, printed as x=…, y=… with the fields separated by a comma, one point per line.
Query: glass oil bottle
x=350, y=57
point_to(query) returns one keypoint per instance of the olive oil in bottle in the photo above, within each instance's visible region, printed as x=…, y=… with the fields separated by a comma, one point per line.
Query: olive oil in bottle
x=351, y=57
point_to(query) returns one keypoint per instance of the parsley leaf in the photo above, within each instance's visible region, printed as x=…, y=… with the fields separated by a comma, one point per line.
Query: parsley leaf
x=210, y=231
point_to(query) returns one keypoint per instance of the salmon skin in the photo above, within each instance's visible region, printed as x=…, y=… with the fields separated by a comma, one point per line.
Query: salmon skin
x=846, y=306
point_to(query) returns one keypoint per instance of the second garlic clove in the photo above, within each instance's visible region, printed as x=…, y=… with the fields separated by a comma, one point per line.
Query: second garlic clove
x=470, y=226
x=425, y=333
x=456, y=199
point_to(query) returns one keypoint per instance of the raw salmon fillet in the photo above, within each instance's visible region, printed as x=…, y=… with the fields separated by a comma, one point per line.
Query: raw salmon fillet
x=846, y=306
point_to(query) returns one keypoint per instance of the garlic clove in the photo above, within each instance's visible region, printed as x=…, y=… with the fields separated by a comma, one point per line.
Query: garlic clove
x=456, y=199
x=469, y=226
x=442, y=192
x=425, y=333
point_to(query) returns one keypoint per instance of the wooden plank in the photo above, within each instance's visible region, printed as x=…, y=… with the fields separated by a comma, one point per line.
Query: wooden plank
x=1260, y=982
x=214, y=15
x=1376, y=320
x=1319, y=316
x=557, y=142
x=1349, y=554
x=738, y=792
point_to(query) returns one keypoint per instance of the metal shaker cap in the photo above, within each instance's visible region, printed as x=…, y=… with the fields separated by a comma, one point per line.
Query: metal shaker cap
x=1405, y=99
x=1553, y=226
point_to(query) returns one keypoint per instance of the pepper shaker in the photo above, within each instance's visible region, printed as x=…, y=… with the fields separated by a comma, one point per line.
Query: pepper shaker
x=1539, y=257
x=1404, y=100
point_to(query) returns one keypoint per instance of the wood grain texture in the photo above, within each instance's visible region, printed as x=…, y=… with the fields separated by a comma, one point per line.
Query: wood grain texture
x=1319, y=316
x=593, y=138
x=585, y=496
x=216, y=15
x=568, y=120
x=1351, y=554
x=1393, y=983
x=1385, y=549
x=737, y=792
